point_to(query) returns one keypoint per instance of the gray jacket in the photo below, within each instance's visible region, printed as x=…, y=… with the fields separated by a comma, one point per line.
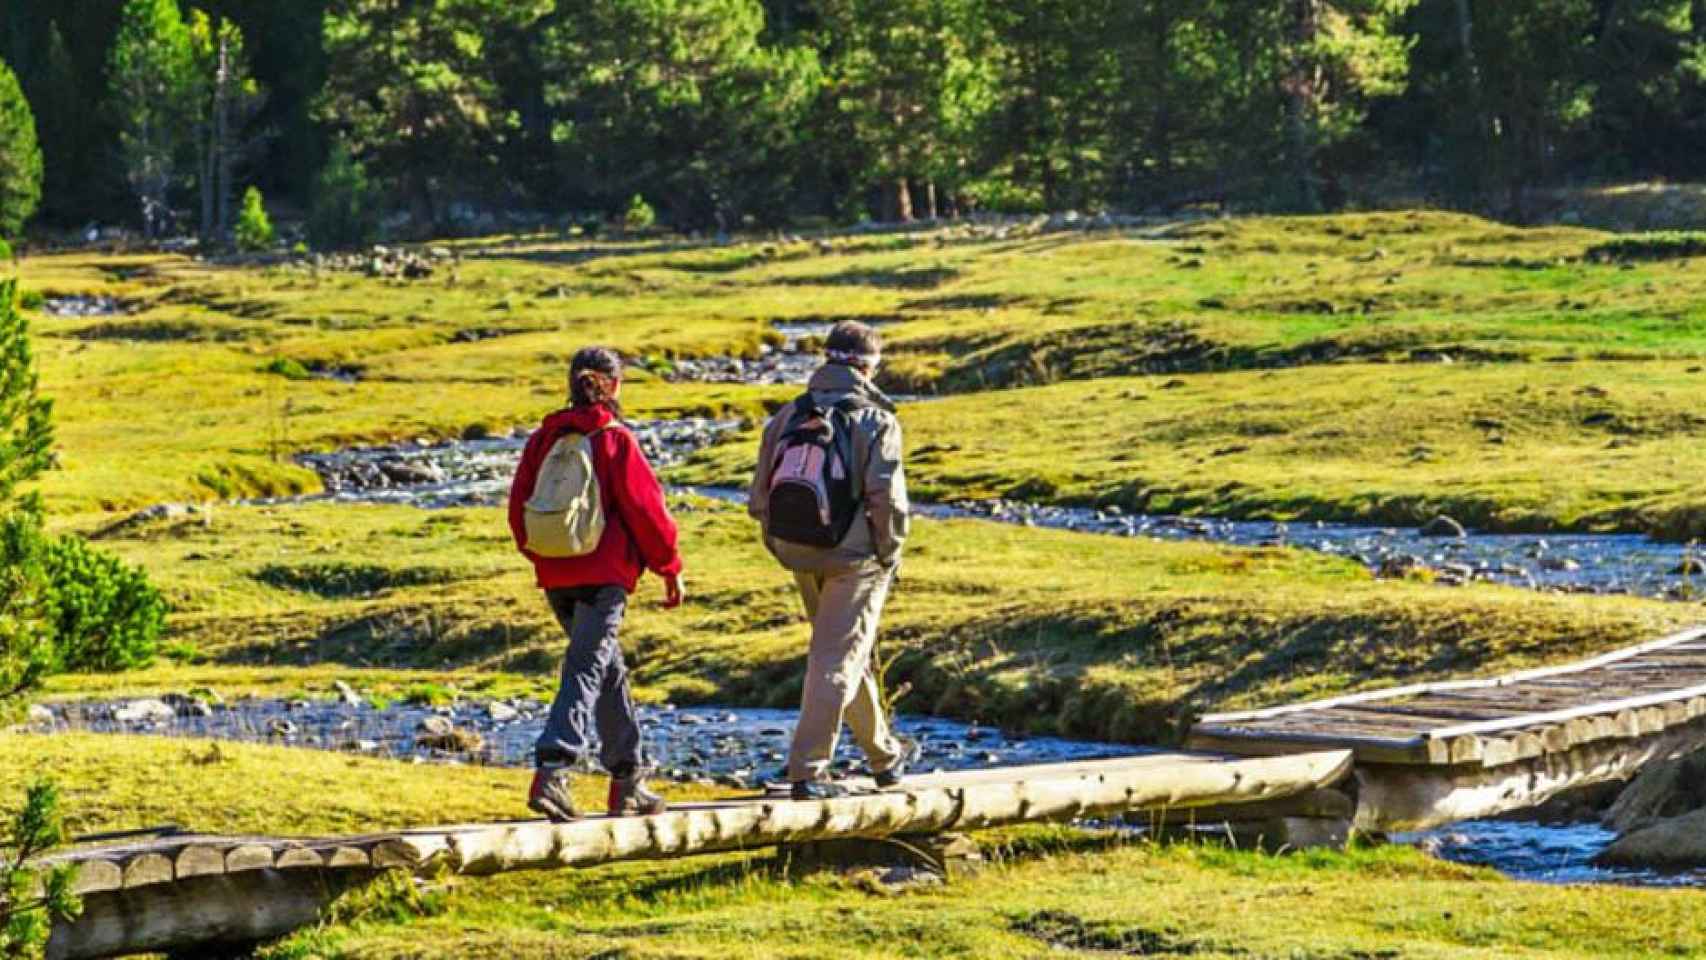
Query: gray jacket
x=876, y=457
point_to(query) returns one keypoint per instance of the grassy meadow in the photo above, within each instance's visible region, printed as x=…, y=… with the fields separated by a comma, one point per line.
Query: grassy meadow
x=1370, y=367
x=1049, y=893
x=1076, y=634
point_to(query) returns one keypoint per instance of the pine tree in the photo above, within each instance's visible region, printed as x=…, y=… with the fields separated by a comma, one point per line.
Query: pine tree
x=20, y=156
x=26, y=441
x=681, y=101
x=227, y=100
x=913, y=80
x=254, y=230
x=412, y=89
x=151, y=85
x=31, y=901
x=26, y=427
x=344, y=212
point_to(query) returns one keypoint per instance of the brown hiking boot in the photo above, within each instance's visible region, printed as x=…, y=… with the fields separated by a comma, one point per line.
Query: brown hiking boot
x=549, y=796
x=629, y=797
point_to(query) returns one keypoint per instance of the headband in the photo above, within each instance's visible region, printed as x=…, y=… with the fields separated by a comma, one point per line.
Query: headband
x=851, y=359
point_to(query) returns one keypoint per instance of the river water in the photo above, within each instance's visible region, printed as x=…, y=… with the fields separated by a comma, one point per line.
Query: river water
x=478, y=472
x=746, y=749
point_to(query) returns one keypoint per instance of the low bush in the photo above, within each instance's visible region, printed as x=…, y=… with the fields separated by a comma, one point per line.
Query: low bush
x=288, y=369
x=107, y=616
x=254, y=231
x=640, y=215
x=336, y=579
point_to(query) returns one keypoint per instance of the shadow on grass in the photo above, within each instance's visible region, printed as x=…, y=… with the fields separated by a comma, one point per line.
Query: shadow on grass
x=906, y=278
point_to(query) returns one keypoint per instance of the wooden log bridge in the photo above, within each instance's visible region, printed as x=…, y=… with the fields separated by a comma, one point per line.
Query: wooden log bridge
x=191, y=891
x=1437, y=753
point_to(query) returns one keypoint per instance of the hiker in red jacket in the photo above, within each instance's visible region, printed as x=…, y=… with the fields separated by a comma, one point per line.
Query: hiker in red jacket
x=589, y=593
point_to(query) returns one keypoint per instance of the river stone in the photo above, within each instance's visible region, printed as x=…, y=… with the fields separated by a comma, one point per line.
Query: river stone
x=1676, y=842
x=438, y=733
x=1444, y=526
x=145, y=711
x=40, y=716
x=407, y=472
x=346, y=693
x=188, y=706
x=1660, y=791
x=435, y=726
x=501, y=712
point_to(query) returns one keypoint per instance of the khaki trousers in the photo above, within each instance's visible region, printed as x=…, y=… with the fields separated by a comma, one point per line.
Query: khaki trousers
x=841, y=684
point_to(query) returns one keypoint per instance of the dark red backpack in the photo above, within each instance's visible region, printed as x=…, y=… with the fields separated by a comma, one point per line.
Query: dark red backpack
x=815, y=495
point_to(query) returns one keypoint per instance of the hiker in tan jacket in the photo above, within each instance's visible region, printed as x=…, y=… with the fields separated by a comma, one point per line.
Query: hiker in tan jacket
x=830, y=494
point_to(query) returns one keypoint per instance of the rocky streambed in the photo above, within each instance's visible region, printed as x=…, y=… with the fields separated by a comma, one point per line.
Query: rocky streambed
x=740, y=748
x=790, y=362
x=746, y=749
x=81, y=306
x=478, y=472
x=1442, y=551
x=473, y=472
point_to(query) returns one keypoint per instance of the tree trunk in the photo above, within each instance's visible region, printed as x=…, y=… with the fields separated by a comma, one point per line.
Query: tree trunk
x=930, y=200
x=420, y=203
x=1481, y=137
x=1161, y=125
x=207, y=183
x=900, y=200
x=222, y=137
x=1301, y=93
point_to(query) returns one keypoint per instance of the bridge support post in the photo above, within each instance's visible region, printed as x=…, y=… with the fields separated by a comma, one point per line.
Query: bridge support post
x=945, y=855
x=200, y=912
x=1275, y=835
x=1317, y=819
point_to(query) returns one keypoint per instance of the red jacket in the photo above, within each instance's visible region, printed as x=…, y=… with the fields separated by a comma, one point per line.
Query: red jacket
x=639, y=534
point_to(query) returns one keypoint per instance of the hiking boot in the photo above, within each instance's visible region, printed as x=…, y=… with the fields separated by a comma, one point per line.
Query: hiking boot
x=629, y=797
x=549, y=796
x=818, y=790
x=890, y=778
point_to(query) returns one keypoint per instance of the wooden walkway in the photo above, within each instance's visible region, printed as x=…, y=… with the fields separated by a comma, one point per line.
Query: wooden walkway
x=184, y=891
x=1499, y=744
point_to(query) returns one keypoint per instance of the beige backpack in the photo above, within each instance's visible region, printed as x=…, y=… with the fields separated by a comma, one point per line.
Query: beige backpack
x=565, y=515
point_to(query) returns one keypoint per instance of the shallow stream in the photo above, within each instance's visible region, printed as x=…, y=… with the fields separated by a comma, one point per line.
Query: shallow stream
x=745, y=748
x=478, y=472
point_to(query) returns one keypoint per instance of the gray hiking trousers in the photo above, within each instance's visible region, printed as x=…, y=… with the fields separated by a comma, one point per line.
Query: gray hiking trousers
x=592, y=701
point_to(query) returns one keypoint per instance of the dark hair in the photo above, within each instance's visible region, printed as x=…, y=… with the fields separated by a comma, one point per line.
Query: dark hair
x=593, y=376
x=852, y=338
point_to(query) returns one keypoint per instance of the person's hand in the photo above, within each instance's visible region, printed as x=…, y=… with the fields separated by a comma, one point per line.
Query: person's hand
x=674, y=591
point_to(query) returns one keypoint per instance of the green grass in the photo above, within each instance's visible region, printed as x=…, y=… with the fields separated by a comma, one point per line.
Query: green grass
x=1287, y=368
x=1308, y=351
x=1510, y=447
x=1041, y=630
x=1052, y=892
